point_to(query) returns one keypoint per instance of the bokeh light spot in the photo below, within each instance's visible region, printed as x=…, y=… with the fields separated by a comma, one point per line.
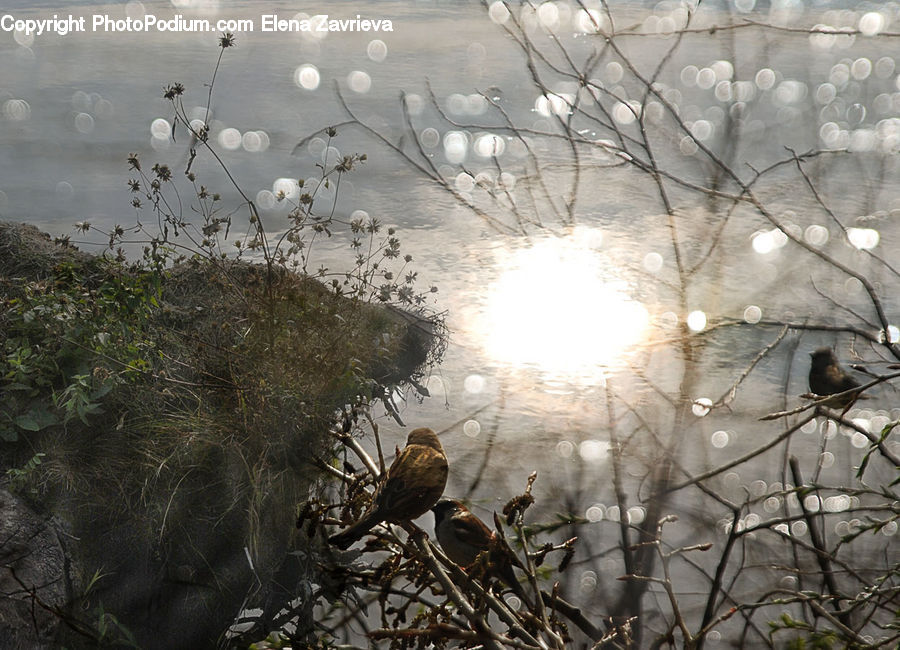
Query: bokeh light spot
x=84, y=123
x=456, y=145
x=565, y=449
x=593, y=451
x=884, y=67
x=489, y=145
x=762, y=242
x=464, y=182
x=772, y=504
x=758, y=487
x=863, y=238
x=706, y=78
x=798, y=528
x=472, y=428
x=414, y=103
x=696, y=321
x=251, y=141
x=701, y=130
x=16, y=110
x=688, y=146
x=307, y=77
x=160, y=128
x=476, y=104
x=430, y=137
x=474, y=384
x=816, y=235
x=456, y=104
x=871, y=23
x=765, y=79
x=230, y=139
x=590, y=21
x=376, y=50
x=359, y=81
x=688, y=75
x=701, y=406
x=861, y=68
x=498, y=12
x=64, y=190
x=595, y=512
x=636, y=514
x=837, y=503
x=653, y=262
x=623, y=113
x=286, y=186
x=266, y=200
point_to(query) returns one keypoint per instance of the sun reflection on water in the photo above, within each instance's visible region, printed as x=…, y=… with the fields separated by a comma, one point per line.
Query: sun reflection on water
x=555, y=308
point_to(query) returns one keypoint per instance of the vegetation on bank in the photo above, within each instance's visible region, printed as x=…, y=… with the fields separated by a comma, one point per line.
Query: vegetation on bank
x=170, y=411
x=170, y=400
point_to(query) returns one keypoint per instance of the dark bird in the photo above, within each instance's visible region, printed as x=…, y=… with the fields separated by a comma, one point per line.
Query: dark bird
x=412, y=484
x=826, y=377
x=463, y=536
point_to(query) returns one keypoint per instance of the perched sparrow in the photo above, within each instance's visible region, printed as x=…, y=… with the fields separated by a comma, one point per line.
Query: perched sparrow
x=412, y=484
x=826, y=377
x=463, y=536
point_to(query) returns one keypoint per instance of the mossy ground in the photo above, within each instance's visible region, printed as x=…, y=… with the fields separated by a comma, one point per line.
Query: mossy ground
x=179, y=412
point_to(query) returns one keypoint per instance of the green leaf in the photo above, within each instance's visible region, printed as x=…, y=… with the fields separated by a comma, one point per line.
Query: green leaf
x=100, y=392
x=27, y=422
x=36, y=419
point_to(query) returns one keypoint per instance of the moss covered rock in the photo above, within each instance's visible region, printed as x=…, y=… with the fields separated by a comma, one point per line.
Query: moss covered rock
x=178, y=414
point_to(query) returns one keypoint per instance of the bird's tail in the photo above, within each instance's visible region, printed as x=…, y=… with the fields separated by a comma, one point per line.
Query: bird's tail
x=509, y=577
x=502, y=567
x=345, y=538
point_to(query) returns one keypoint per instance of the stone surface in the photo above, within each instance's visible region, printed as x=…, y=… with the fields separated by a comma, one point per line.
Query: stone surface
x=33, y=578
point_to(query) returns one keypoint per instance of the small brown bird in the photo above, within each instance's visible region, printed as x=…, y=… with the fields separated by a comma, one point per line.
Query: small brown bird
x=826, y=377
x=463, y=536
x=412, y=484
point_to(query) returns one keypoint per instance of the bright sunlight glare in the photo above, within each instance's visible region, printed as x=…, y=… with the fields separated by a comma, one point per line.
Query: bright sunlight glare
x=554, y=308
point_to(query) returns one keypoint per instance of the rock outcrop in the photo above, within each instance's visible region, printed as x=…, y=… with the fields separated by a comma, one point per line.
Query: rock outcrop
x=179, y=414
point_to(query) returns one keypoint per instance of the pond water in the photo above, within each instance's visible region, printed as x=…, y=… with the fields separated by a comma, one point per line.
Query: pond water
x=546, y=320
